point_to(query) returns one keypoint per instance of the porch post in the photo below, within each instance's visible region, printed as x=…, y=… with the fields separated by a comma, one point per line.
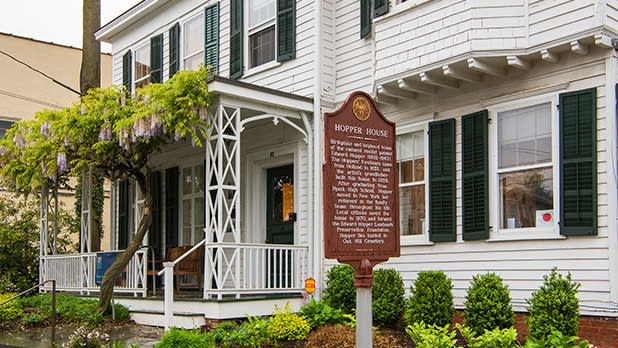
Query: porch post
x=222, y=195
x=43, y=233
x=85, y=223
x=168, y=267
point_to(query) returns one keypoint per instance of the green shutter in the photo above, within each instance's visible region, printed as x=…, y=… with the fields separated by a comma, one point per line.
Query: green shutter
x=126, y=71
x=155, y=232
x=286, y=30
x=156, y=59
x=380, y=7
x=211, y=37
x=171, y=207
x=123, y=214
x=442, y=181
x=365, y=18
x=174, y=51
x=578, y=163
x=236, y=33
x=475, y=209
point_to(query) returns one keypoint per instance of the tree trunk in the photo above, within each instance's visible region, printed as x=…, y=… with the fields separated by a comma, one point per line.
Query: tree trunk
x=115, y=270
x=90, y=75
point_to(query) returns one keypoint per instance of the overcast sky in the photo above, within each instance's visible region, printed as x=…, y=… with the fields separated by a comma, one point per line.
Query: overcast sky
x=58, y=21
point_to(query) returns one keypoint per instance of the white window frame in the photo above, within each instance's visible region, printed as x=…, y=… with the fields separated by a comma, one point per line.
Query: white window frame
x=527, y=233
x=193, y=195
x=423, y=238
x=250, y=30
x=143, y=45
x=184, y=54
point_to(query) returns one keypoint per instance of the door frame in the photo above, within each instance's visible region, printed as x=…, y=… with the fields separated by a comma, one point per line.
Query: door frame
x=254, y=188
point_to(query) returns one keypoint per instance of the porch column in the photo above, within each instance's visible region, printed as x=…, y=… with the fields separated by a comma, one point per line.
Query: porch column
x=85, y=245
x=48, y=228
x=222, y=201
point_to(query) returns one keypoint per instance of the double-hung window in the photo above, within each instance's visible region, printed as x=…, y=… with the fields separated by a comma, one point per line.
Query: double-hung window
x=142, y=66
x=261, y=32
x=525, y=168
x=192, y=204
x=411, y=165
x=193, y=39
x=4, y=126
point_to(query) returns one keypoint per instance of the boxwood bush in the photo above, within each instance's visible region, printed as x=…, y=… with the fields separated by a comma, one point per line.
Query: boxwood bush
x=432, y=299
x=387, y=297
x=554, y=307
x=340, y=292
x=488, y=304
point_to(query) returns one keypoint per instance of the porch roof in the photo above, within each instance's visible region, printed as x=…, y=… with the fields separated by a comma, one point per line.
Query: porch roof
x=259, y=95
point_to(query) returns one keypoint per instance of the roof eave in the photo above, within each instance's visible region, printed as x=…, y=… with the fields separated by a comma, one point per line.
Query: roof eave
x=127, y=18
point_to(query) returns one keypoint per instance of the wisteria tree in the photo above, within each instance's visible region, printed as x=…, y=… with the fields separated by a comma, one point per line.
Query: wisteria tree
x=111, y=133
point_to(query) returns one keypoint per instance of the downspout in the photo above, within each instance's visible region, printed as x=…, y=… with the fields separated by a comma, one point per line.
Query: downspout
x=317, y=153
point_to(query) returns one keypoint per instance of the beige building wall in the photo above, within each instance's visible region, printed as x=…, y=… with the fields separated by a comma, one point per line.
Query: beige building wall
x=24, y=91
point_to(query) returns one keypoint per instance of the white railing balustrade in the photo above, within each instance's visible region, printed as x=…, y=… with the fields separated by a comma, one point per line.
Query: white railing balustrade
x=76, y=272
x=243, y=268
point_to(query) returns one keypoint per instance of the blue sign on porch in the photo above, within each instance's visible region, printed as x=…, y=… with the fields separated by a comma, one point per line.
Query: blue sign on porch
x=104, y=261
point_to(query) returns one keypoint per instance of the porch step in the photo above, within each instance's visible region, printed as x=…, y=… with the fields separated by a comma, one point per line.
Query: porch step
x=156, y=318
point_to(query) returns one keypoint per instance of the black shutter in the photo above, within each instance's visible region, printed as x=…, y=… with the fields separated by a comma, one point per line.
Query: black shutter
x=174, y=49
x=126, y=71
x=171, y=207
x=124, y=210
x=475, y=208
x=380, y=7
x=211, y=37
x=286, y=30
x=578, y=163
x=236, y=33
x=156, y=59
x=365, y=18
x=154, y=235
x=442, y=181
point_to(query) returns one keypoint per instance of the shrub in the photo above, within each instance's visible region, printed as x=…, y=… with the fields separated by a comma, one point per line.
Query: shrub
x=432, y=299
x=31, y=318
x=496, y=338
x=488, y=304
x=182, y=338
x=10, y=310
x=329, y=336
x=556, y=340
x=388, y=300
x=554, y=307
x=285, y=325
x=340, y=292
x=251, y=333
x=431, y=336
x=319, y=313
x=82, y=338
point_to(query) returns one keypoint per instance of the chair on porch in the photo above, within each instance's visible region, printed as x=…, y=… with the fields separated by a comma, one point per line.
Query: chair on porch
x=190, y=265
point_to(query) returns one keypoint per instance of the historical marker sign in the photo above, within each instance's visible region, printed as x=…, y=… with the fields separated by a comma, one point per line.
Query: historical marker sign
x=361, y=197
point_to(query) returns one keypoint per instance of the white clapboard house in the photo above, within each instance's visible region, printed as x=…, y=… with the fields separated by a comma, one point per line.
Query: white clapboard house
x=506, y=123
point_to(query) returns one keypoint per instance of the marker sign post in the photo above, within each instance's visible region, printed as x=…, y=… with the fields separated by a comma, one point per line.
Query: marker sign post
x=361, y=197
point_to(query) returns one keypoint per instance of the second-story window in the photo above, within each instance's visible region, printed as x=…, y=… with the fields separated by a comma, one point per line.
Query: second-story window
x=411, y=163
x=193, y=37
x=142, y=66
x=261, y=32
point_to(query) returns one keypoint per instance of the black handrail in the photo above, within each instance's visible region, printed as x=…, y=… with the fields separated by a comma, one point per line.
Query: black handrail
x=53, y=323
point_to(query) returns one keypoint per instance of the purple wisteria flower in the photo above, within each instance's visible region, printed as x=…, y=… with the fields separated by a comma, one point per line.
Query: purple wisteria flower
x=61, y=161
x=45, y=128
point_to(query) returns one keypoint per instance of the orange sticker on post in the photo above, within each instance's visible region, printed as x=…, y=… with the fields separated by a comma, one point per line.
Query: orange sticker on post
x=310, y=285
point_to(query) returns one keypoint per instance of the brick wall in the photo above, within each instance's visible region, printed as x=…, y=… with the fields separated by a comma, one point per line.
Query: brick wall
x=602, y=332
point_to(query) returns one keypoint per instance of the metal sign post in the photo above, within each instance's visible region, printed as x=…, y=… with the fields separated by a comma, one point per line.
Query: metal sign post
x=361, y=197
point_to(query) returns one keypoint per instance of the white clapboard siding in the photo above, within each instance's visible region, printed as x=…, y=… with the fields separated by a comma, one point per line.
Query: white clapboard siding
x=550, y=20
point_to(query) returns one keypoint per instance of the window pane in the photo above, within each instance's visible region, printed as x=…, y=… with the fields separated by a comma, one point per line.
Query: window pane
x=193, y=63
x=412, y=209
x=261, y=10
x=198, y=233
x=262, y=46
x=524, y=136
x=142, y=62
x=194, y=36
x=4, y=126
x=527, y=198
x=419, y=169
x=410, y=156
x=283, y=198
x=186, y=221
x=406, y=172
x=198, y=176
x=186, y=181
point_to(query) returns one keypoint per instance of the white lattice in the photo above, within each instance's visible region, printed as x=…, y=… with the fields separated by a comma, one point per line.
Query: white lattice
x=85, y=233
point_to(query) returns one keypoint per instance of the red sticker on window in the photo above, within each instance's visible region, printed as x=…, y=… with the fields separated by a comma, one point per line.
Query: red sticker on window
x=546, y=217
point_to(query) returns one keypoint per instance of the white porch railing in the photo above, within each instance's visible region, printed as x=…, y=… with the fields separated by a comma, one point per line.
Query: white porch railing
x=245, y=268
x=76, y=272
